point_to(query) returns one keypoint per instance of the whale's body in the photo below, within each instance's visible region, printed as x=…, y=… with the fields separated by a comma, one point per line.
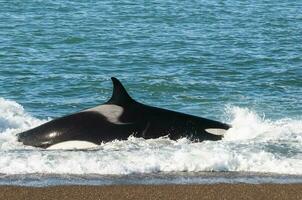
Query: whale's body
x=118, y=119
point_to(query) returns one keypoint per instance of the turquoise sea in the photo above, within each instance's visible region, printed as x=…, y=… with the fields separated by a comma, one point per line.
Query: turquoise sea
x=232, y=61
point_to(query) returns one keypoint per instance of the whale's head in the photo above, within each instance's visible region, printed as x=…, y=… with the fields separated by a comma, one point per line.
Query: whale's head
x=36, y=139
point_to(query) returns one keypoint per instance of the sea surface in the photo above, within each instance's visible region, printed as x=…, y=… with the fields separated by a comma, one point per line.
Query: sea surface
x=232, y=61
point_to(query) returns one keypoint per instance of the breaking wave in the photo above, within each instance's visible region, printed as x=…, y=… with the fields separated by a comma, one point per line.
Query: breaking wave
x=253, y=144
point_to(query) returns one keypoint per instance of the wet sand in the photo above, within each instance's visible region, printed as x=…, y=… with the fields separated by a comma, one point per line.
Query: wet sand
x=214, y=191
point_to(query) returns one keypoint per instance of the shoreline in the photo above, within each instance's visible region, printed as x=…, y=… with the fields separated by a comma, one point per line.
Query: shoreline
x=194, y=191
x=179, y=178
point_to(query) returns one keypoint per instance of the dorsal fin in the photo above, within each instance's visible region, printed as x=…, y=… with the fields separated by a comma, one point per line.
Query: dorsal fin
x=119, y=95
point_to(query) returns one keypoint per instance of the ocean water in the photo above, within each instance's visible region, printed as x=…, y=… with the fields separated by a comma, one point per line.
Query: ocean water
x=236, y=62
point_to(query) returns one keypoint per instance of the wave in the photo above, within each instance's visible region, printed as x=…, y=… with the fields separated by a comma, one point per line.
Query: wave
x=253, y=144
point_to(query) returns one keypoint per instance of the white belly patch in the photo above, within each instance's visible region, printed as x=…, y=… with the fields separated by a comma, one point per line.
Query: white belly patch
x=111, y=112
x=216, y=131
x=73, y=144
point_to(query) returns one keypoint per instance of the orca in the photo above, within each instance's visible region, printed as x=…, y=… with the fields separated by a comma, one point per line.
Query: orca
x=117, y=119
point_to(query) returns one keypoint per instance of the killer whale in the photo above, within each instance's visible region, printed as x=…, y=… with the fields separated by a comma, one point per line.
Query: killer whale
x=117, y=119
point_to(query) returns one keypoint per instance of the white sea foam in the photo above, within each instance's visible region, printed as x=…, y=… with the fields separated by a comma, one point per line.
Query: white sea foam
x=253, y=144
x=13, y=119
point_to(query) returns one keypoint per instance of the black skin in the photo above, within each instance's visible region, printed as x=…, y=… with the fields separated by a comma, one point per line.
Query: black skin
x=137, y=119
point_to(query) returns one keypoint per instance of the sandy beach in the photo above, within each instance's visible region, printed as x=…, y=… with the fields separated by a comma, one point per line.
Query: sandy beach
x=214, y=191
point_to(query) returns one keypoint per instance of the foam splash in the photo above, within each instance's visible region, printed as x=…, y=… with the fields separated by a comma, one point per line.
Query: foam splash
x=13, y=119
x=247, y=124
x=253, y=144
